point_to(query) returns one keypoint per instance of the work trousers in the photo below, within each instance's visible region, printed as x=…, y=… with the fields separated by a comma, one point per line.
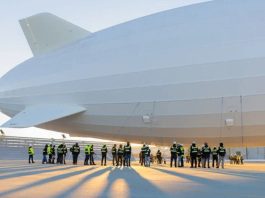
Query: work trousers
x=147, y=161
x=215, y=161
x=159, y=160
x=50, y=158
x=92, y=159
x=206, y=159
x=143, y=160
x=114, y=159
x=180, y=161
x=60, y=158
x=103, y=159
x=44, y=159
x=221, y=161
x=86, y=159
x=193, y=161
x=127, y=159
x=75, y=158
x=119, y=160
x=173, y=158
x=31, y=159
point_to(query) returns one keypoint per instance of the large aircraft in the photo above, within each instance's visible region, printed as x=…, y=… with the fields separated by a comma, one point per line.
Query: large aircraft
x=195, y=73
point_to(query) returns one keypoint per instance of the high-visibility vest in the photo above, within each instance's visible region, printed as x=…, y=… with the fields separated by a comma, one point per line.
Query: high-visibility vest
x=127, y=149
x=114, y=150
x=87, y=150
x=31, y=151
x=104, y=149
x=194, y=149
x=214, y=152
x=60, y=149
x=221, y=151
x=49, y=150
x=173, y=149
x=181, y=150
x=120, y=151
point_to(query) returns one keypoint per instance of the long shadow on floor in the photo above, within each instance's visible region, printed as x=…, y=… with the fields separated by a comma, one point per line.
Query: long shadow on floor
x=237, y=173
x=45, y=181
x=197, y=179
x=34, y=172
x=19, y=168
x=134, y=181
x=75, y=187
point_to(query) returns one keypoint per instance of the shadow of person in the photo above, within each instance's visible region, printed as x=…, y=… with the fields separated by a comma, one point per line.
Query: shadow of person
x=71, y=190
x=33, y=172
x=137, y=185
x=44, y=181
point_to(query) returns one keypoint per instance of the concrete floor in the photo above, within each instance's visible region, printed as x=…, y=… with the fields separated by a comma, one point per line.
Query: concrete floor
x=19, y=179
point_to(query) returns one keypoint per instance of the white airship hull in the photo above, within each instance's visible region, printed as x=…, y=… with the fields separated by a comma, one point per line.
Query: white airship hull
x=157, y=79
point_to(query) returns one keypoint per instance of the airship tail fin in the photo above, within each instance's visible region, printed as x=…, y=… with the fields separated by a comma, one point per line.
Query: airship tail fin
x=40, y=114
x=46, y=32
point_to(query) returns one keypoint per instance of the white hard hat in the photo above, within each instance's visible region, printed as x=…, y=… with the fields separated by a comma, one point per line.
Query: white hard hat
x=193, y=142
x=174, y=142
x=30, y=144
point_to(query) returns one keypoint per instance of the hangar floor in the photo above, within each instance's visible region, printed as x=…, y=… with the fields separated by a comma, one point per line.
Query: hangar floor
x=19, y=179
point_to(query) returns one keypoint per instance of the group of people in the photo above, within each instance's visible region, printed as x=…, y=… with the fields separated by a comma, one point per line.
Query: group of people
x=201, y=157
x=121, y=156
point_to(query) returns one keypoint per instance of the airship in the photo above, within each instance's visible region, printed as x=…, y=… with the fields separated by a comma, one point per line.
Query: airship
x=194, y=73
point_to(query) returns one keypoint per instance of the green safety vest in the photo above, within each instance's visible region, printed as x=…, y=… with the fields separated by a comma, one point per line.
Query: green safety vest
x=49, y=150
x=31, y=151
x=87, y=149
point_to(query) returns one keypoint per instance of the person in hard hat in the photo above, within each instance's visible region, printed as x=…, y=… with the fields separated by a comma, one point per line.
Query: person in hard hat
x=31, y=153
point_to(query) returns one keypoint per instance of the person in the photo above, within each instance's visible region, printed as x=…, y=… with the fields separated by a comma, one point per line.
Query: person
x=181, y=152
x=87, y=153
x=193, y=155
x=64, y=152
x=159, y=157
x=49, y=151
x=75, y=152
x=44, y=153
x=143, y=151
x=199, y=157
x=104, y=151
x=114, y=155
x=173, y=156
x=60, y=154
x=92, y=155
x=127, y=154
x=53, y=153
x=147, y=156
x=221, y=154
x=31, y=153
x=214, y=157
x=120, y=155
x=206, y=152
